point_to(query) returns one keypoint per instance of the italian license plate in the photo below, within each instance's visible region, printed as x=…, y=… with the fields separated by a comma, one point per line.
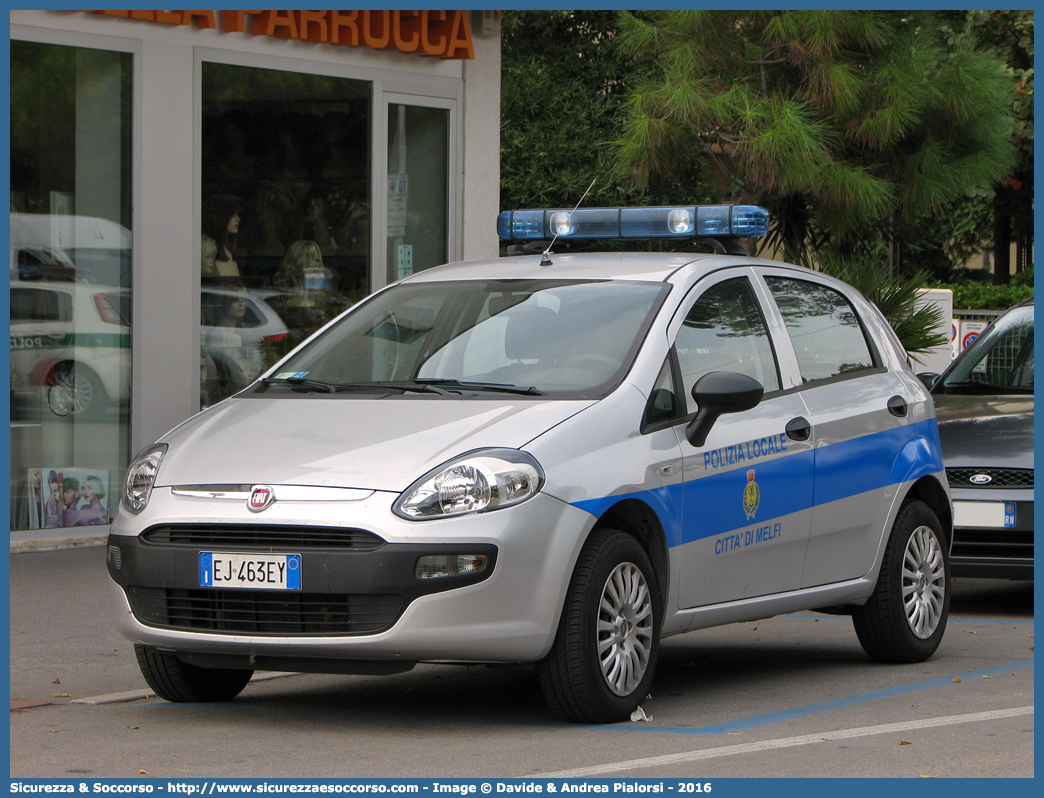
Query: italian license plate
x=265, y=571
x=998, y=515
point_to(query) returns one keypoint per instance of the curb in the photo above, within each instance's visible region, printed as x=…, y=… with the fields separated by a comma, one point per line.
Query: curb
x=56, y=544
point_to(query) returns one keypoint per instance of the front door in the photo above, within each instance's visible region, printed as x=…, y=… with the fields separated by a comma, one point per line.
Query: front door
x=748, y=490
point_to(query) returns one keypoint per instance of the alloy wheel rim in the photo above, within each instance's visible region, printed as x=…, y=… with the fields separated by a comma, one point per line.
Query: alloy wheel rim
x=924, y=582
x=625, y=629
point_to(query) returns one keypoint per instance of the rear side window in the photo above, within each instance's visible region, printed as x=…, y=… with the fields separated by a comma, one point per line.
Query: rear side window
x=38, y=304
x=827, y=335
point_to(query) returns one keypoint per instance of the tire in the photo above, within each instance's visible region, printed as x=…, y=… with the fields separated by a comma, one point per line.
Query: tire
x=180, y=682
x=588, y=676
x=905, y=617
x=76, y=391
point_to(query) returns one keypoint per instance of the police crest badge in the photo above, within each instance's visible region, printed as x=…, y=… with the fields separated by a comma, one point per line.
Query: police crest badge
x=751, y=496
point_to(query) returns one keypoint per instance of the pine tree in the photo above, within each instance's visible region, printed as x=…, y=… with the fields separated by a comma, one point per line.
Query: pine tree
x=838, y=121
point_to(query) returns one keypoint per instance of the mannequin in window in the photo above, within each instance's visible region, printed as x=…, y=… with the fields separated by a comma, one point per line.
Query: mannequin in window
x=222, y=214
x=303, y=274
x=236, y=357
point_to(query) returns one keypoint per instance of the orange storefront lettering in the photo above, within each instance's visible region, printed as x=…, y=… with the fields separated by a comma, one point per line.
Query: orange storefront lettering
x=446, y=34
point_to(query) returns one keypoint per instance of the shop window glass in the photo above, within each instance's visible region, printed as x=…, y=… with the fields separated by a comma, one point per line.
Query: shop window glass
x=418, y=189
x=285, y=216
x=70, y=284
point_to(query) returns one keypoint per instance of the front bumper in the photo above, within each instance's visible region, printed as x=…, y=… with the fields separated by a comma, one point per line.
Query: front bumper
x=362, y=603
x=989, y=551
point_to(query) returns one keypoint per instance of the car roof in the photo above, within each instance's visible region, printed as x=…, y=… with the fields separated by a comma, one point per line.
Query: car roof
x=642, y=266
x=649, y=266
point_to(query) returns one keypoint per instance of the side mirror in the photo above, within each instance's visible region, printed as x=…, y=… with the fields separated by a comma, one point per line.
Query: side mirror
x=720, y=392
x=928, y=378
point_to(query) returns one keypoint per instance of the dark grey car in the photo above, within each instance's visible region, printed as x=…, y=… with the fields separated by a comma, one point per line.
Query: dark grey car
x=984, y=403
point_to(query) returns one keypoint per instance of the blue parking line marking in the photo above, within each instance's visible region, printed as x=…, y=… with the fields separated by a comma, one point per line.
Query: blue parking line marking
x=948, y=620
x=788, y=714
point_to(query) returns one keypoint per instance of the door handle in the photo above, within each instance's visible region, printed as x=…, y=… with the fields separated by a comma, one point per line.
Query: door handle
x=799, y=429
x=897, y=407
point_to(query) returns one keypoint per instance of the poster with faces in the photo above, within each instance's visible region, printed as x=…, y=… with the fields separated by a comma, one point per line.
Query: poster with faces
x=68, y=497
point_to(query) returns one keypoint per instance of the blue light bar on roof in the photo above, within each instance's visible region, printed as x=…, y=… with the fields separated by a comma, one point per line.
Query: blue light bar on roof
x=687, y=221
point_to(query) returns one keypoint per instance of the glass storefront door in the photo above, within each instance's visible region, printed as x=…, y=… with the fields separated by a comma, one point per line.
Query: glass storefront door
x=285, y=214
x=418, y=188
x=70, y=260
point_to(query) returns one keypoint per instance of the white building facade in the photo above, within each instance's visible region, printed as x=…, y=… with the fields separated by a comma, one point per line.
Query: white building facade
x=193, y=192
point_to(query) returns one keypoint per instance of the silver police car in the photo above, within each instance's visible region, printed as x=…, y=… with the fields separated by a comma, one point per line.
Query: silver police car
x=555, y=459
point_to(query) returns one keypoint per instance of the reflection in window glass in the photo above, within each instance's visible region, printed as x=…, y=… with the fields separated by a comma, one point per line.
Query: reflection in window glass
x=284, y=214
x=725, y=331
x=1001, y=360
x=826, y=333
x=70, y=284
x=555, y=336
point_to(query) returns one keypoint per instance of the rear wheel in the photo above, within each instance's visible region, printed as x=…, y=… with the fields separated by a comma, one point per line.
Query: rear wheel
x=601, y=665
x=180, y=682
x=905, y=617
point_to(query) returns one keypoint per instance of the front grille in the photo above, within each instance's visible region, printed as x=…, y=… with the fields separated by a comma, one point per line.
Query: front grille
x=992, y=543
x=999, y=477
x=264, y=612
x=261, y=536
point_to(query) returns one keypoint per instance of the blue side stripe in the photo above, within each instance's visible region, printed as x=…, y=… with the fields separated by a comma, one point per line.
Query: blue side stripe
x=838, y=471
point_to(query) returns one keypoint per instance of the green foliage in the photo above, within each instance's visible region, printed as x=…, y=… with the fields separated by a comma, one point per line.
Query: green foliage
x=973, y=289
x=852, y=119
x=564, y=82
x=987, y=296
x=896, y=298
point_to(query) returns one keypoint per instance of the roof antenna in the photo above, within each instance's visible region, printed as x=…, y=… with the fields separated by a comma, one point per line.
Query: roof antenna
x=546, y=259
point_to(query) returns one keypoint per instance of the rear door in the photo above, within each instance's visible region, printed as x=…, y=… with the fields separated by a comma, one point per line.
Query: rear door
x=859, y=413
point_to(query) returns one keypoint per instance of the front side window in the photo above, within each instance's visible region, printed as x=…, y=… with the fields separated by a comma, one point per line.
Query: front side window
x=71, y=246
x=725, y=331
x=549, y=337
x=828, y=338
x=999, y=361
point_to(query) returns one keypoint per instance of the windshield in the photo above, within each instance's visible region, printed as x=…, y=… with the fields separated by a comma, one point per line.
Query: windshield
x=999, y=361
x=542, y=337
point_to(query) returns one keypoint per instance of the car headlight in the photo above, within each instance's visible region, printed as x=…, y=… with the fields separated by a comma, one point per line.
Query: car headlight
x=487, y=479
x=141, y=474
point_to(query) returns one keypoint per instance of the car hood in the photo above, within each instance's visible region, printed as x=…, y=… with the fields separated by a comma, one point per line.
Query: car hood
x=374, y=444
x=980, y=431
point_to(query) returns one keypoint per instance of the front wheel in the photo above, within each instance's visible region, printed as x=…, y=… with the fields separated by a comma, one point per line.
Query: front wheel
x=181, y=682
x=602, y=662
x=905, y=617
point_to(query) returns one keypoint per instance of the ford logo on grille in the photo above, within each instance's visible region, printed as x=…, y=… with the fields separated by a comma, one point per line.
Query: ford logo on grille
x=980, y=479
x=260, y=498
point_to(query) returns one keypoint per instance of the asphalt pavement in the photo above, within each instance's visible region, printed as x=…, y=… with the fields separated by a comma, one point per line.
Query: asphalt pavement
x=742, y=700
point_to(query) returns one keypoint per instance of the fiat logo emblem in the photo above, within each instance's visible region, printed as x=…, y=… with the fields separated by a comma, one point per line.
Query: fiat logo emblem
x=260, y=498
x=980, y=479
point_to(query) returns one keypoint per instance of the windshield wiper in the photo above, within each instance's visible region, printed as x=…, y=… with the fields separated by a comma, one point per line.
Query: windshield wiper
x=437, y=386
x=327, y=387
x=302, y=382
x=496, y=387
